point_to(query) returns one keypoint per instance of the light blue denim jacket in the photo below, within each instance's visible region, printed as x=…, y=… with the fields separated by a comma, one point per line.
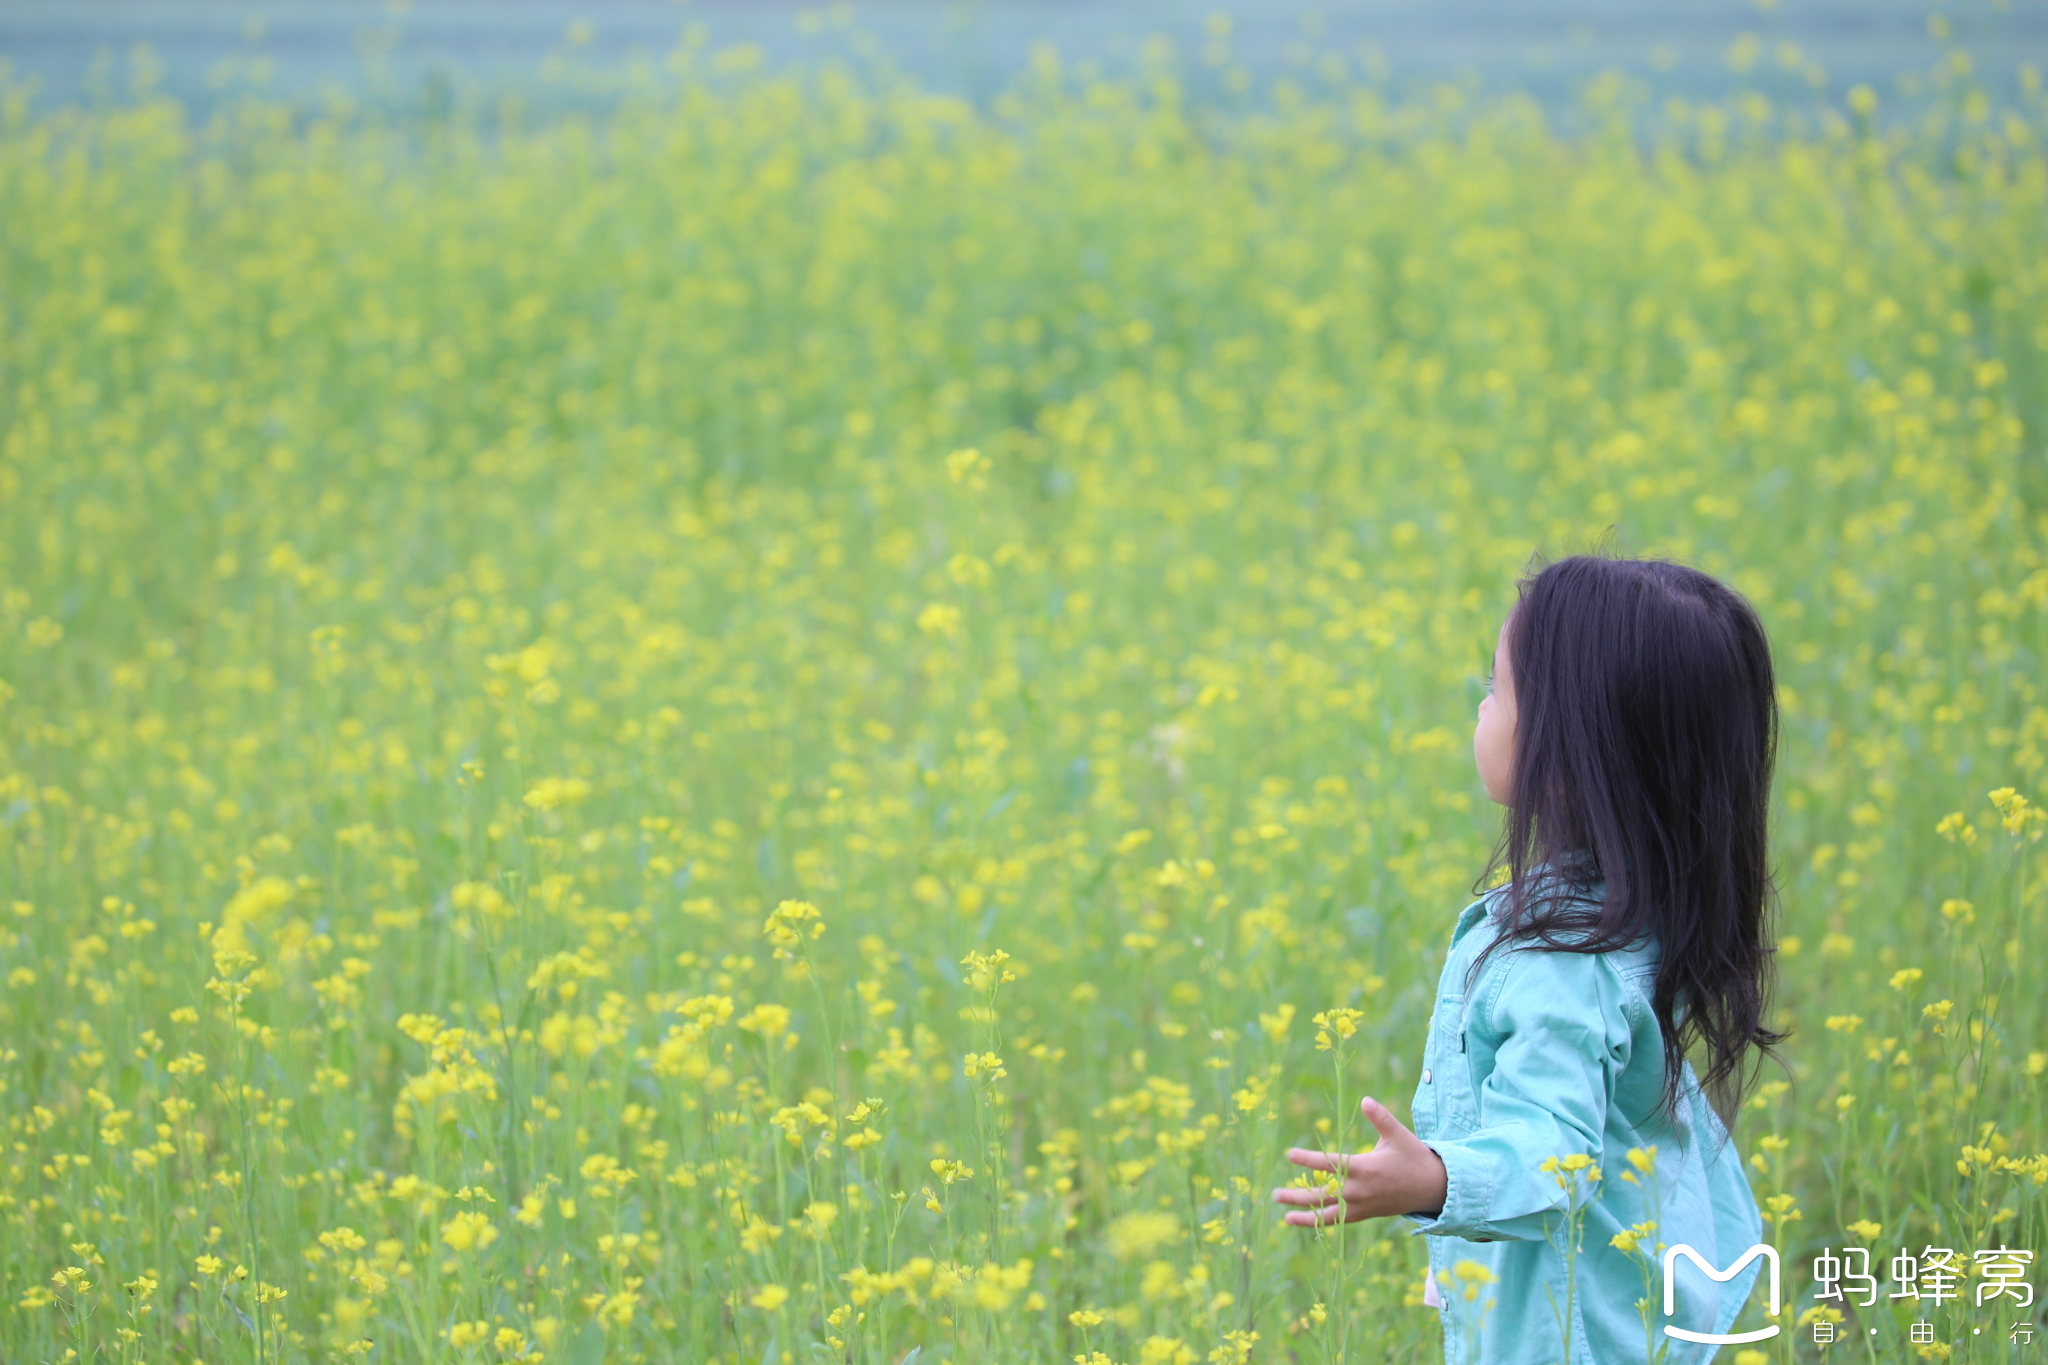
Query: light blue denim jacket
x=1547, y=1054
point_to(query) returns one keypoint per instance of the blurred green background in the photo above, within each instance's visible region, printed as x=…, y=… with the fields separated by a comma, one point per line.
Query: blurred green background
x=423, y=54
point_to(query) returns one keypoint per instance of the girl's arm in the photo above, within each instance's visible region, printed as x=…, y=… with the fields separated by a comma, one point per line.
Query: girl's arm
x=1562, y=1040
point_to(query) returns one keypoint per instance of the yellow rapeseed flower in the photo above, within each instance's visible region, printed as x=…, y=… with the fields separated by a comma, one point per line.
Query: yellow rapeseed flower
x=468, y=1232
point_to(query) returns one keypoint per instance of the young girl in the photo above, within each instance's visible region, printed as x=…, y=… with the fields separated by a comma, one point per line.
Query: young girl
x=1629, y=731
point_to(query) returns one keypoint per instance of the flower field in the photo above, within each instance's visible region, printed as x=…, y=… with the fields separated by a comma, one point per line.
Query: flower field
x=800, y=722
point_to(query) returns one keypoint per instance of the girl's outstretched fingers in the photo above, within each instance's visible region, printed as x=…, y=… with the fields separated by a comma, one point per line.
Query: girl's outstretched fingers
x=1336, y=1163
x=1316, y=1204
x=1333, y=1212
x=1401, y=1174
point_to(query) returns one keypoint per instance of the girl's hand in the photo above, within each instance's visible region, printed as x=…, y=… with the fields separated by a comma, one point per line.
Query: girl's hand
x=1399, y=1175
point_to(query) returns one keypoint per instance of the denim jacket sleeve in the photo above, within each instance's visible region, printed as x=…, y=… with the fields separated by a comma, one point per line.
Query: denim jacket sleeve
x=1530, y=1076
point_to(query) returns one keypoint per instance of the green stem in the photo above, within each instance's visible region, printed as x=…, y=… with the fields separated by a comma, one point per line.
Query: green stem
x=248, y=1167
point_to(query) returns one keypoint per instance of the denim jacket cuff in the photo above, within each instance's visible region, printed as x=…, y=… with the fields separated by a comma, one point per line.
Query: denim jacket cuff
x=1468, y=1193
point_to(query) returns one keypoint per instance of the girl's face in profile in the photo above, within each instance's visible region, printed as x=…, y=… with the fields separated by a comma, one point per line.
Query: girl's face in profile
x=1493, y=739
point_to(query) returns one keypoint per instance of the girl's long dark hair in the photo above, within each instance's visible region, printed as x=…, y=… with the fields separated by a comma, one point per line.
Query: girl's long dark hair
x=1646, y=730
